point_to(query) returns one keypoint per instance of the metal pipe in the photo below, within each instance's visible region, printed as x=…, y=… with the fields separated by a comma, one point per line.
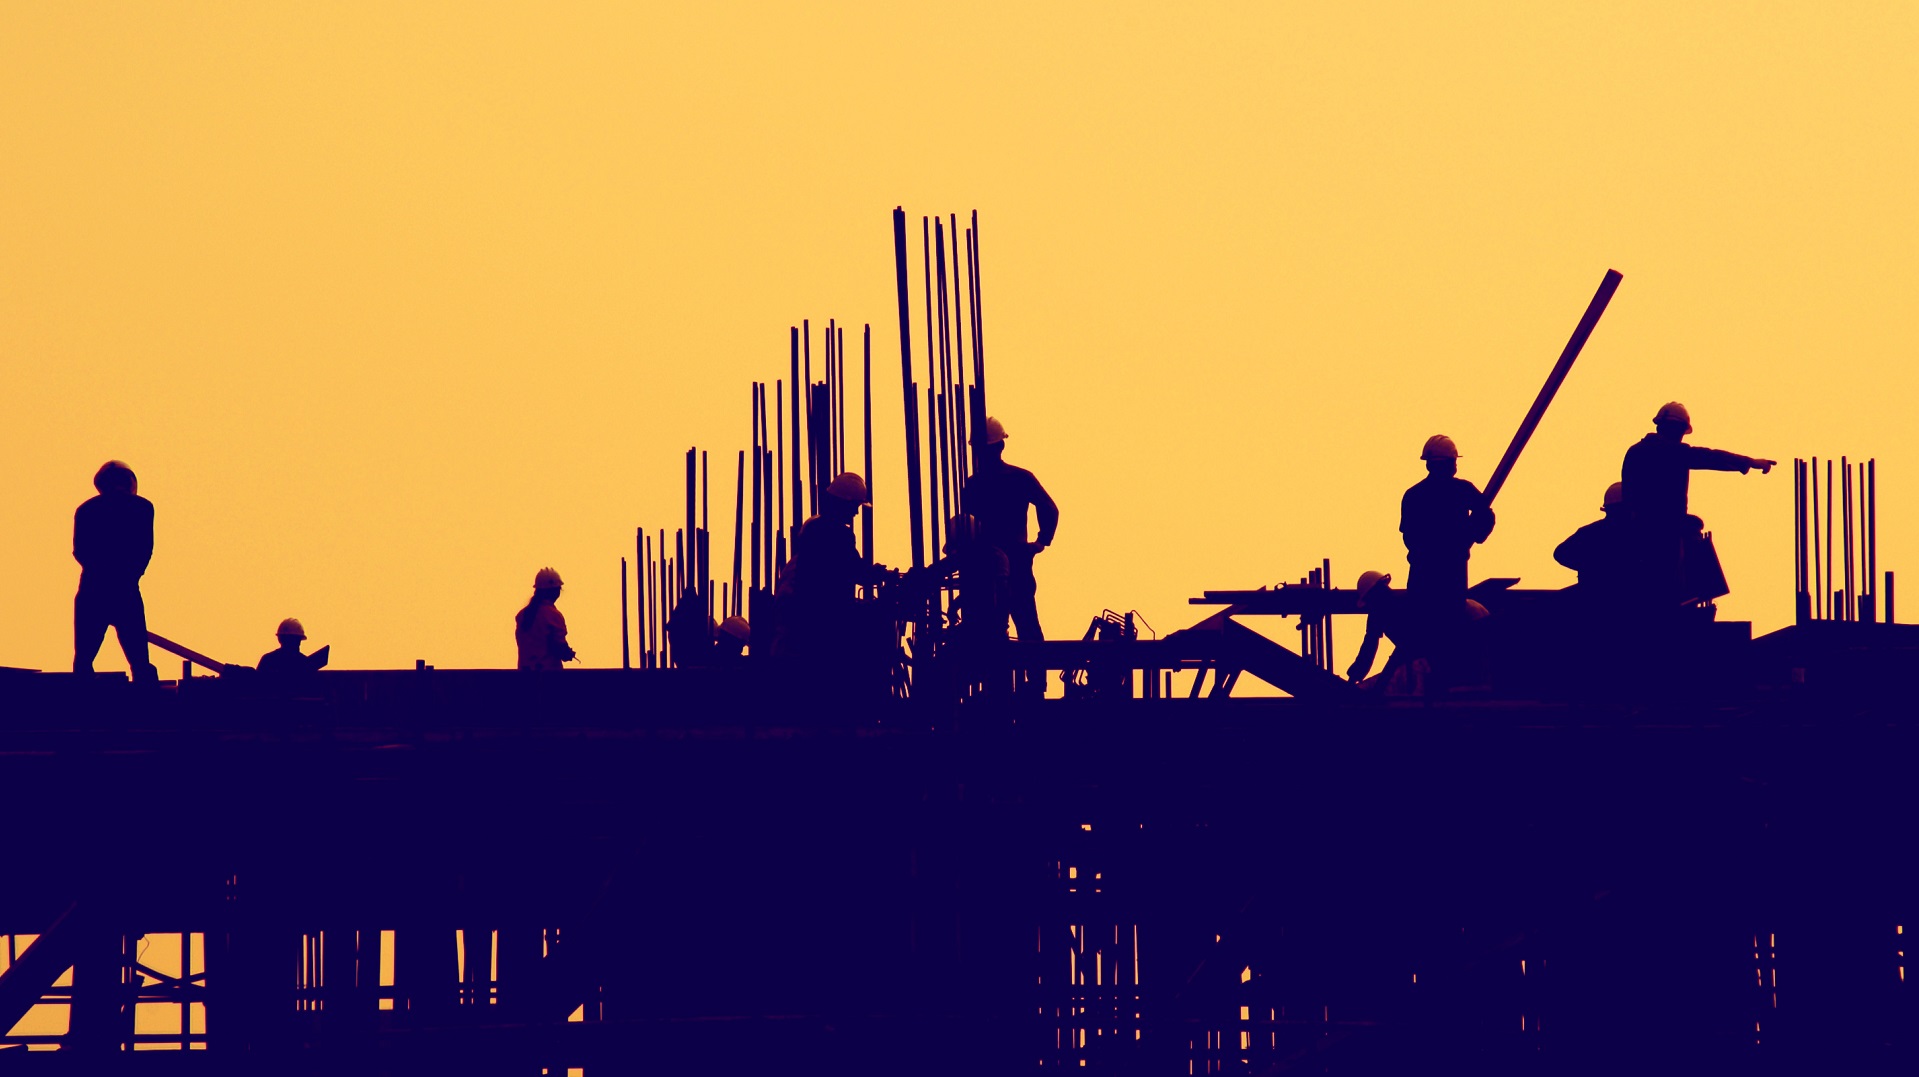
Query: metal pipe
x=1829, y=580
x=1607, y=286
x=1872, y=524
x=626, y=611
x=794, y=361
x=1818, y=575
x=866, y=433
x=739, y=527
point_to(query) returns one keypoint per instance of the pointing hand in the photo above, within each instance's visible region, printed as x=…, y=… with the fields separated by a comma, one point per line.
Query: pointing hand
x=1765, y=466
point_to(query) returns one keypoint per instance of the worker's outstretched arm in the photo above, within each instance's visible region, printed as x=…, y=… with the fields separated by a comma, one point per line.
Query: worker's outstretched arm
x=1700, y=458
x=1048, y=514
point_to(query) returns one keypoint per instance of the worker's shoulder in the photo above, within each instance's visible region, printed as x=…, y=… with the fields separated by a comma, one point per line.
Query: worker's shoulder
x=550, y=614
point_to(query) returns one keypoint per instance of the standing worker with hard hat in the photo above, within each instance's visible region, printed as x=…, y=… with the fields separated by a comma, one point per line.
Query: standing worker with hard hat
x=540, y=629
x=113, y=541
x=1442, y=518
x=287, y=661
x=997, y=496
x=1656, y=475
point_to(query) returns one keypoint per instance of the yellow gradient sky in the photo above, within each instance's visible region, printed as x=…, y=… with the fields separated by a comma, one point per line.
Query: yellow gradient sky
x=391, y=304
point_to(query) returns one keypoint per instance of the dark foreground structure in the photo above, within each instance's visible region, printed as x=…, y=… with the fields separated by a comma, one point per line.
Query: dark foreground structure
x=658, y=871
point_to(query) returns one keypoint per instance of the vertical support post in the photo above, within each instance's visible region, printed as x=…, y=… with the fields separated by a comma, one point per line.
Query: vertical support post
x=798, y=390
x=866, y=433
x=739, y=528
x=626, y=624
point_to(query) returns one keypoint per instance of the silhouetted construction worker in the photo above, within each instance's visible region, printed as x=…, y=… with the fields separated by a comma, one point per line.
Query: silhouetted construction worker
x=1442, y=518
x=1602, y=551
x=1388, y=616
x=287, y=661
x=997, y=496
x=690, y=632
x=981, y=570
x=731, y=640
x=540, y=629
x=113, y=541
x=817, y=600
x=1655, y=478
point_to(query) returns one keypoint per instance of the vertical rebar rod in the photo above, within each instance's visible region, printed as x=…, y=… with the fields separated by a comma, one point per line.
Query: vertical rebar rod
x=1829, y=580
x=955, y=393
x=1845, y=532
x=759, y=455
x=1872, y=532
x=799, y=390
x=640, y=589
x=936, y=448
x=866, y=434
x=739, y=528
x=979, y=325
x=626, y=624
x=915, y=521
x=1818, y=572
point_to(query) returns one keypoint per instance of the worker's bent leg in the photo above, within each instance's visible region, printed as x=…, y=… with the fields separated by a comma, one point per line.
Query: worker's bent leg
x=1026, y=608
x=89, y=629
x=130, y=623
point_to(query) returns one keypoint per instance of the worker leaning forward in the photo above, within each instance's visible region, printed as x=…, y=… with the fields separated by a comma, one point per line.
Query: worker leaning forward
x=1388, y=617
x=1655, y=478
x=819, y=609
x=1442, y=518
x=997, y=496
x=113, y=541
x=540, y=628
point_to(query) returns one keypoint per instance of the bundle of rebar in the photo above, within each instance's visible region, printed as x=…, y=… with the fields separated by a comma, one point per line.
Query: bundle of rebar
x=1852, y=589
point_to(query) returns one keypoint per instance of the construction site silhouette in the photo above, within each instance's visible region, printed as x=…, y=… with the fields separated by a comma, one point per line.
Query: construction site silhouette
x=832, y=816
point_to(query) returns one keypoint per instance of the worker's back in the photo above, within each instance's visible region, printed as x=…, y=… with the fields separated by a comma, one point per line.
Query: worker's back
x=113, y=537
x=541, y=635
x=1442, y=516
x=998, y=496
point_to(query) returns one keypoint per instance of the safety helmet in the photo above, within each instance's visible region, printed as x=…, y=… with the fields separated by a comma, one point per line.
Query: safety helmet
x=992, y=433
x=292, y=627
x=1615, y=496
x=547, y=577
x=1674, y=412
x=1369, y=580
x=848, y=486
x=736, y=626
x=114, y=475
x=1475, y=611
x=1439, y=447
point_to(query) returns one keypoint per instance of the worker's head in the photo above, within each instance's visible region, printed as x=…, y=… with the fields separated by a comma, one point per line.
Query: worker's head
x=844, y=496
x=547, y=584
x=961, y=532
x=991, y=439
x=291, y=632
x=734, y=634
x=1615, y=499
x=1371, y=581
x=115, y=477
x=1673, y=420
x=1441, y=455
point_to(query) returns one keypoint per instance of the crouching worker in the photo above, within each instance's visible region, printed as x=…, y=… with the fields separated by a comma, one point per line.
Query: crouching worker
x=540, y=628
x=1389, y=615
x=287, y=661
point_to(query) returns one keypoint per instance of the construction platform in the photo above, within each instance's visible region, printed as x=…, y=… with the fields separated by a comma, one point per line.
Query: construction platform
x=695, y=871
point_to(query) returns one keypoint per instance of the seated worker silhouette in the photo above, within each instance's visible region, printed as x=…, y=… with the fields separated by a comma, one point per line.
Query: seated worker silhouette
x=1603, y=552
x=982, y=572
x=818, y=608
x=997, y=496
x=1654, y=479
x=1389, y=615
x=287, y=661
x=1442, y=518
x=539, y=629
x=113, y=541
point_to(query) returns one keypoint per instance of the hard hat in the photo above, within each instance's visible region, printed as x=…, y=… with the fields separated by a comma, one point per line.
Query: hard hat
x=547, y=577
x=848, y=487
x=1615, y=495
x=992, y=433
x=292, y=627
x=1439, y=447
x=736, y=626
x=963, y=527
x=1674, y=412
x=114, y=475
x=1475, y=611
x=1368, y=580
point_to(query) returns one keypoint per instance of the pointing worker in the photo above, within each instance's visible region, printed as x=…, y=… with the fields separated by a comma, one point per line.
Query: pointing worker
x=1655, y=478
x=539, y=629
x=997, y=496
x=1442, y=518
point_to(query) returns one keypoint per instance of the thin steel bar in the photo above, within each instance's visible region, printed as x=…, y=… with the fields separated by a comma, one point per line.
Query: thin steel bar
x=1607, y=286
x=916, y=523
x=626, y=612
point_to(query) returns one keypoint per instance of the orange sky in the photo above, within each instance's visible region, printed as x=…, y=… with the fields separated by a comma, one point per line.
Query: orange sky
x=390, y=305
